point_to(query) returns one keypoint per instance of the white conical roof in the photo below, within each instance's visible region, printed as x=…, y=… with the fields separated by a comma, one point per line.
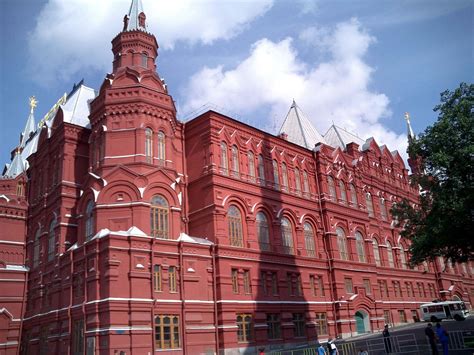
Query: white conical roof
x=29, y=129
x=16, y=167
x=136, y=8
x=339, y=137
x=299, y=129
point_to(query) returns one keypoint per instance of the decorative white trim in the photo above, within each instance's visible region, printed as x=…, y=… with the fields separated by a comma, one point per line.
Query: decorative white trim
x=8, y=343
x=10, y=242
x=123, y=204
x=108, y=329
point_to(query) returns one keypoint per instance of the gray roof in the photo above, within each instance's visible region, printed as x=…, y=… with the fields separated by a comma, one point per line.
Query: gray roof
x=76, y=109
x=299, y=129
x=16, y=167
x=339, y=137
x=136, y=8
x=29, y=129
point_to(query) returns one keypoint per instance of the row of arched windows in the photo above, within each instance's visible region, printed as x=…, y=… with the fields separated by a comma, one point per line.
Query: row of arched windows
x=257, y=173
x=149, y=148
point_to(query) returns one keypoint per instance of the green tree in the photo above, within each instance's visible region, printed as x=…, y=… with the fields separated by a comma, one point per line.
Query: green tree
x=441, y=224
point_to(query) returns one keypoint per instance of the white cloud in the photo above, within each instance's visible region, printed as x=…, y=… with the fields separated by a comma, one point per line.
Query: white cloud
x=336, y=90
x=308, y=6
x=74, y=36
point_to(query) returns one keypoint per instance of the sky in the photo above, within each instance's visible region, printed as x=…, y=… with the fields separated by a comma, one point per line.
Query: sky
x=360, y=64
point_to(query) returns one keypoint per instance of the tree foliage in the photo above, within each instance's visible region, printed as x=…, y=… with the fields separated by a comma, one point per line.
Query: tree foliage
x=441, y=224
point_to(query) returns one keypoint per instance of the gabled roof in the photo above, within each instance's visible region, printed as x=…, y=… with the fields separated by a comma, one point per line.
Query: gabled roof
x=76, y=109
x=299, y=129
x=136, y=8
x=339, y=137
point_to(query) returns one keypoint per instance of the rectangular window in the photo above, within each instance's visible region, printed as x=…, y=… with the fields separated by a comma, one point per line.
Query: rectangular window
x=157, y=284
x=244, y=328
x=424, y=289
x=263, y=280
x=367, y=286
x=172, y=279
x=321, y=285
x=321, y=323
x=167, y=332
x=289, y=282
x=78, y=337
x=348, y=285
x=403, y=317
x=299, y=287
x=386, y=317
x=396, y=288
x=312, y=285
x=299, y=323
x=274, y=326
x=235, y=281
x=407, y=286
x=247, y=282
x=274, y=283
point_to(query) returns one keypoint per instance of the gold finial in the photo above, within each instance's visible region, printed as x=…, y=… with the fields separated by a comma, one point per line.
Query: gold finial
x=33, y=103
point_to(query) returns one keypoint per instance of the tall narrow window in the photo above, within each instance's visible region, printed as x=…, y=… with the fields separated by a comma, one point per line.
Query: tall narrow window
x=161, y=146
x=383, y=209
x=261, y=169
x=78, y=337
x=157, y=279
x=287, y=236
x=353, y=195
x=235, y=280
x=144, y=59
x=305, y=183
x=389, y=254
x=309, y=239
x=331, y=188
x=167, y=332
x=274, y=280
x=89, y=220
x=172, y=284
x=235, y=227
x=235, y=161
x=263, y=282
x=403, y=259
x=247, y=282
x=244, y=328
x=224, y=160
x=321, y=285
x=297, y=181
x=375, y=246
x=342, y=243
x=360, y=247
x=370, y=206
x=299, y=324
x=342, y=188
x=251, y=159
x=20, y=186
x=52, y=240
x=159, y=213
x=36, y=248
x=348, y=285
x=148, y=145
x=276, y=177
x=284, y=177
x=263, y=232
x=273, y=326
x=289, y=283
x=321, y=323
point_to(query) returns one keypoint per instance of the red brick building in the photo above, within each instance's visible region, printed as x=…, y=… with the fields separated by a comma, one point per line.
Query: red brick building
x=144, y=233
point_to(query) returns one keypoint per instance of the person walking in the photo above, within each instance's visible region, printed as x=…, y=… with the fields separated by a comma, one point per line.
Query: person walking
x=430, y=334
x=332, y=348
x=386, y=339
x=443, y=337
x=320, y=348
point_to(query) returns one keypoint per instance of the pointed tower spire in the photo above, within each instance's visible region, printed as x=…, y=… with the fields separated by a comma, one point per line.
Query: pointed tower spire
x=410, y=133
x=136, y=19
x=299, y=129
x=30, y=123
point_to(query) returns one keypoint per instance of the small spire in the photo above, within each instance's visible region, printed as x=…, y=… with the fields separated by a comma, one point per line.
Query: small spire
x=136, y=19
x=411, y=135
x=30, y=123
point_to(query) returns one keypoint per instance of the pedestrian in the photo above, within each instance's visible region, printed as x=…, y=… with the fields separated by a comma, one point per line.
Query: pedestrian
x=386, y=339
x=320, y=348
x=332, y=348
x=430, y=334
x=363, y=352
x=443, y=337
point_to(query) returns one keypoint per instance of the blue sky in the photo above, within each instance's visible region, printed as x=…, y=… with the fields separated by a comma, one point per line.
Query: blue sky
x=360, y=64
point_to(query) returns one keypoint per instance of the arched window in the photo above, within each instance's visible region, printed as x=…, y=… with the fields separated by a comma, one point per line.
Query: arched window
x=20, y=189
x=36, y=248
x=360, y=247
x=287, y=236
x=148, y=145
x=370, y=206
x=309, y=239
x=332, y=189
x=342, y=188
x=144, y=58
x=353, y=195
x=235, y=161
x=389, y=254
x=284, y=177
x=297, y=181
x=251, y=159
x=52, y=240
x=224, y=161
x=403, y=259
x=263, y=231
x=261, y=169
x=276, y=176
x=89, y=220
x=383, y=209
x=305, y=182
x=342, y=243
x=375, y=245
x=234, y=219
x=159, y=217
x=161, y=146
